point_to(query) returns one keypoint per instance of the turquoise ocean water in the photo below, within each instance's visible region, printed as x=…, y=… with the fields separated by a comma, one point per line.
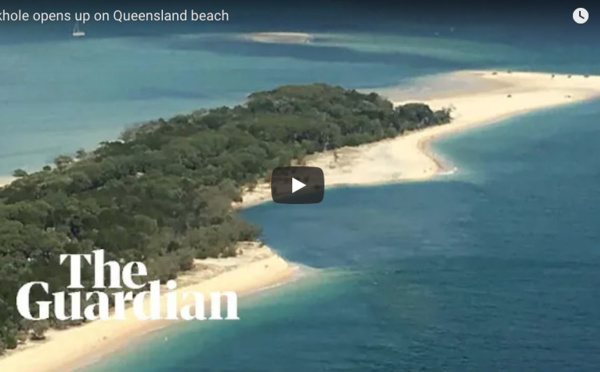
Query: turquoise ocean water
x=491, y=269
x=58, y=94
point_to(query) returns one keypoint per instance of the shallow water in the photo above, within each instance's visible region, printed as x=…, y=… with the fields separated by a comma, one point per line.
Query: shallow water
x=59, y=94
x=492, y=268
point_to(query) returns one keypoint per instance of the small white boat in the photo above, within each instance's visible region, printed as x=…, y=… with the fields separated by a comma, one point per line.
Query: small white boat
x=77, y=32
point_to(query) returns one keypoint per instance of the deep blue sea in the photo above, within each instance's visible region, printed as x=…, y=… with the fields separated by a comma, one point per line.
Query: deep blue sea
x=491, y=269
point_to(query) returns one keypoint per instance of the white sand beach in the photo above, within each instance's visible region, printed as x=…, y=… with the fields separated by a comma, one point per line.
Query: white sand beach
x=406, y=157
x=256, y=268
x=5, y=180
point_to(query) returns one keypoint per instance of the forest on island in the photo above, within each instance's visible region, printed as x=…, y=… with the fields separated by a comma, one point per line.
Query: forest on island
x=162, y=193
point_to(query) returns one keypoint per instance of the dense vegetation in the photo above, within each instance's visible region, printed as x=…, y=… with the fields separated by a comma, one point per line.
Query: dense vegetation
x=162, y=194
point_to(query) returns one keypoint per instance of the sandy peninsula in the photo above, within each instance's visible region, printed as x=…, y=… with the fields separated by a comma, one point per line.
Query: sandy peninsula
x=491, y=97
x=257, y=267
x=497, y=95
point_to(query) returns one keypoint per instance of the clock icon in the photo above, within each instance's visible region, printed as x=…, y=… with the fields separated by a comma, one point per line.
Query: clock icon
x=581, y=16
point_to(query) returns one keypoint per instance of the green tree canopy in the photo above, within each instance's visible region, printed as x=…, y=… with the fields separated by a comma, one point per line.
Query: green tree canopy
x=162, y=194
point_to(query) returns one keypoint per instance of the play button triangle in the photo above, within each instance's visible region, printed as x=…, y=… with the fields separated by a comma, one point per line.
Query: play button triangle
x=297, y=185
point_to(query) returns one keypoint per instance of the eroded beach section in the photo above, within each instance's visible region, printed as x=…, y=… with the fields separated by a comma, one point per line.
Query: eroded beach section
x=489, y=97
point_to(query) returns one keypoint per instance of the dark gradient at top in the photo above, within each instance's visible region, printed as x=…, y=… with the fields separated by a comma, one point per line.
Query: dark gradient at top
x=553, y=18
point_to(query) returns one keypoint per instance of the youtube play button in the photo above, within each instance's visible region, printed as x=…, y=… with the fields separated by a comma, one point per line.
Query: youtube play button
x=297, y=185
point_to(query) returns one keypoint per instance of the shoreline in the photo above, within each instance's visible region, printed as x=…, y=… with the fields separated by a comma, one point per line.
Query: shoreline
x=408, y=157
x=257, y=269
x=5, y=180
